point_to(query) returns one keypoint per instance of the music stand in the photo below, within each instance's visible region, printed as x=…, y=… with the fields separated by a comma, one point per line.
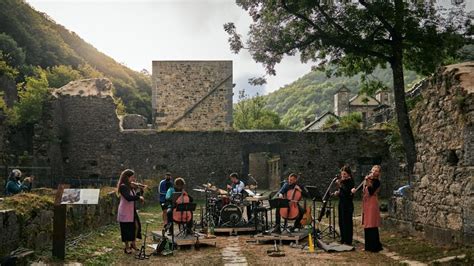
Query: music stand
x=315, y=195
x=329, y=210
x=280, y=204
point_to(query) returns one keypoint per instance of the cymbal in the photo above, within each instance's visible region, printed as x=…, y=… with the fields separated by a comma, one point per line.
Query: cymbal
x=210, y=187
x=199, y=190
x=222, y=192
x=251, y=186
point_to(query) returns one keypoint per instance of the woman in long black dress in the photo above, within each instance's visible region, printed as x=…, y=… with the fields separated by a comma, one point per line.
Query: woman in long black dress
x=346, y=206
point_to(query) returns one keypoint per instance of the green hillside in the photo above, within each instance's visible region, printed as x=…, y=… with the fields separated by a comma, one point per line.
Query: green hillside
x=313, y=94
x=47, y=44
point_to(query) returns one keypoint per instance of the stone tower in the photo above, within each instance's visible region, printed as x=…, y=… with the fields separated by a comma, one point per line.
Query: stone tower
x=192, y=95
x=341, y=101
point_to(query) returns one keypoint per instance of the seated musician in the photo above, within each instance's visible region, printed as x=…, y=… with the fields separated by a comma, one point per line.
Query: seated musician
x=237, y=189
x=237, y=185
x=286, y=192
x=179, y=184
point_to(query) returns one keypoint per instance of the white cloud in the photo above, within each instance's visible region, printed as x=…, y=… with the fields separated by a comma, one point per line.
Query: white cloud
x=137, y=32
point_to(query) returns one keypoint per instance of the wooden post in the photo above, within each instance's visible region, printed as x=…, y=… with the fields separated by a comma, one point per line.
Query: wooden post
x=59, y=225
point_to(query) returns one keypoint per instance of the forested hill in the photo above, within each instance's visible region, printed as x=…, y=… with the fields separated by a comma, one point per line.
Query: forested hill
x=48, y=44
x=313, y=94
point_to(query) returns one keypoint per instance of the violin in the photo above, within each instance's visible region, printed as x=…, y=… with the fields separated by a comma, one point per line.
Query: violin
x=292, y=212
x=182, y=216
x=138, y=185
x=367, y=178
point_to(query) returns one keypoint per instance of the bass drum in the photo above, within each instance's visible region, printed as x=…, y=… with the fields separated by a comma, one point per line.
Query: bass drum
x=231, y=215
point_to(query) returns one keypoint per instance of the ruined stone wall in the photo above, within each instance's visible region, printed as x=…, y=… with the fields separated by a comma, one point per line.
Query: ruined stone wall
x=133, y=121
x=192, y=95
x=32, y=227
x=92, y=145
x=440, y=204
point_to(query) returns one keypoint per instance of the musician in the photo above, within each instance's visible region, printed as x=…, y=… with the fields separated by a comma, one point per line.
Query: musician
x=179, y=184
x=345, y=183
x=127, y=216
x=237, y=189
x=237, y=185
x=292, y=183
x=370, y=210
x=165, y=184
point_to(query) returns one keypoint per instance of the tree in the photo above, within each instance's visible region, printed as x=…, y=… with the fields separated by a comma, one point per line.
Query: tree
x=11, y=53
x=357, y=36
x=61, y=75
x=32, y=96
x=250, y=113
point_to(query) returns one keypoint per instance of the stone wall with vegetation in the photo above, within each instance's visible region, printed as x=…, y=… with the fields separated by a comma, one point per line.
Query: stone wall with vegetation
x=440, y=203
x=89, y=144
x=26, y=219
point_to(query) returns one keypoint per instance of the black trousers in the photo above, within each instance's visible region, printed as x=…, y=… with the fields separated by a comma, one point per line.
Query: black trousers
x=372, y=239
x=297, y=220
x=345, y=211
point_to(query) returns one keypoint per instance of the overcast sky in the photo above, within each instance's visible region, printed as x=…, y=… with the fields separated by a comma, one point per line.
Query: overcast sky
x=136, y=32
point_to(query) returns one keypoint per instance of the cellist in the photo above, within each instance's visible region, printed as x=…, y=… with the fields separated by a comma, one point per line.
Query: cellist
x=288, y=190
x=178, y=187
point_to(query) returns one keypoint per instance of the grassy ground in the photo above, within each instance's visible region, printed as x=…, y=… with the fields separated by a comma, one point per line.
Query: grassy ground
x=104, y=247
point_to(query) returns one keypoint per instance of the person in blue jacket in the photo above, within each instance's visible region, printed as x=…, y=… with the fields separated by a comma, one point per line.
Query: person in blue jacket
x=165, y=184
x=14, y=186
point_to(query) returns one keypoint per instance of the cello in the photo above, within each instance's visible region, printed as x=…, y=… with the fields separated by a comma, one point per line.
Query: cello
x=182, y=216
x=294, y=196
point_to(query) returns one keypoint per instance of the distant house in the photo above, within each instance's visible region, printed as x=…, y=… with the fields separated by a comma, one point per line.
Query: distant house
x=319, y=122
x=345, y=103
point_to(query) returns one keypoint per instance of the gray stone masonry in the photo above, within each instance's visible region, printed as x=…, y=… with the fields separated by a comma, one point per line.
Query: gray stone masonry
x=192, y=95
x=133, y=121
x=35, y=229
x=92, y=145
x=440, y=204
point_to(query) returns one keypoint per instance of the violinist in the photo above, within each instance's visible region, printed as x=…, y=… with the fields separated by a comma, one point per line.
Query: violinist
x=179, y=184
x=127, y=216
x=345, y=183
x=290, y=188
x=370, y=210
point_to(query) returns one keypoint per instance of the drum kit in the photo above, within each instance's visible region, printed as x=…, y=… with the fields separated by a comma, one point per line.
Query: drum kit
x=222, y=209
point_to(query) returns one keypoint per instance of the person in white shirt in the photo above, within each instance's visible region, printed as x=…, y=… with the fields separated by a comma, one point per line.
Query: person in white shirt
x=237, y=185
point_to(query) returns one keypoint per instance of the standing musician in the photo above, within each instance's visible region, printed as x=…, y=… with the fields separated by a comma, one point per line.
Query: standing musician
x=130, y=227
x=370, y=210
x=287, y=191
x=179, y=184
x=345, y=183
x=165, y=184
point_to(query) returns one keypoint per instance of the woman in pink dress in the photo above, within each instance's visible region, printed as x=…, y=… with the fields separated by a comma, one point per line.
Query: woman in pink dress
x=127, y=215
x=370, y=210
